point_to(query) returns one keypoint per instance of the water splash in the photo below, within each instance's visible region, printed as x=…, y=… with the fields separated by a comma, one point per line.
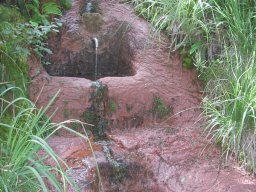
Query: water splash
x=88, y=7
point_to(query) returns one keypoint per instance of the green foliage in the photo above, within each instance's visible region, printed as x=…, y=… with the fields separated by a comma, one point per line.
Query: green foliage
x=159, y=109
x=13, y=52
x=25, y=130
x=17, y=40
x=230, y=107
x=112, y=106
x=10, y=14
x=177, y=18
x=187, y=58
x=66, y=4
x=41, y=12
x=23, y=127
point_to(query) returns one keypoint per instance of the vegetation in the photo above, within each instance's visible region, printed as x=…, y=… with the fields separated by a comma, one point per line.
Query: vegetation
x=112, y=105
x=24, y=129
x=96, y=113
x=159, y=109
x=24, y=26
x=215, y=36
x=220, y=38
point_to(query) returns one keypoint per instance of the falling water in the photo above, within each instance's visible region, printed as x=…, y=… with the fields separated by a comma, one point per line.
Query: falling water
x=96, y=64
x=88, y=7
x=96, y=43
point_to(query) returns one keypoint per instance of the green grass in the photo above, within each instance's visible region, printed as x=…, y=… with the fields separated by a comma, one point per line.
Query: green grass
x=24, y=129
x=220, y=37
x=230, y=106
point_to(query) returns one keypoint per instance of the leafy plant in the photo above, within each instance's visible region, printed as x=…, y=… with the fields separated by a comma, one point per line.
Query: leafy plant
x=41, y=12
x=24, y=129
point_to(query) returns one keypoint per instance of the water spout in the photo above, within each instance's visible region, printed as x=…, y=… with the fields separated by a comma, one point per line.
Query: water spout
x=96, y=43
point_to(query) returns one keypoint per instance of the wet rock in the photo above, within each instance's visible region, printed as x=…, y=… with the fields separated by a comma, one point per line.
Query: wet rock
x=127, y=142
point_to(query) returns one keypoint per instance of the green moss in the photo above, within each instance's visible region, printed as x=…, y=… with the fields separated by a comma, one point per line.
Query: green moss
x=159, y=109
x=112, y=106
x=187, y=58
x=90, y=117
x=100, y=107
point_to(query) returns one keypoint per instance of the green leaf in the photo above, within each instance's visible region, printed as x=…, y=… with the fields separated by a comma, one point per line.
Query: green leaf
x=194, y=47
x=51, y=8
x=33, y=24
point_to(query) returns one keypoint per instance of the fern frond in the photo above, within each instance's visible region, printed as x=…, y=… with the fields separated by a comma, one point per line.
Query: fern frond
x=51, y=8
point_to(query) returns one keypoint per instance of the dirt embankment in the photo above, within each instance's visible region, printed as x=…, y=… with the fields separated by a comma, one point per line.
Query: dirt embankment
x=146, y=107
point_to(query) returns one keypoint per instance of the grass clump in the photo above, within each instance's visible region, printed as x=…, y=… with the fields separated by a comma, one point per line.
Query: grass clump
x=23, y=131
x=220, y=38
x=230, y=105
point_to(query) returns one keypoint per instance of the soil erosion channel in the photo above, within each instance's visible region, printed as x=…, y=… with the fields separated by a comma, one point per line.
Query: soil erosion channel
x=144, y=107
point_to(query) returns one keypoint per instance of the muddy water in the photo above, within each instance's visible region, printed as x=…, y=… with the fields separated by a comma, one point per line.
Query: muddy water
x=153, y=140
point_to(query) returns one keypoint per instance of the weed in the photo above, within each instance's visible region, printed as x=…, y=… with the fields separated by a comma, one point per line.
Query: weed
x=230, y=107
x=22, y=167
x=159, y=109
x=112, y=106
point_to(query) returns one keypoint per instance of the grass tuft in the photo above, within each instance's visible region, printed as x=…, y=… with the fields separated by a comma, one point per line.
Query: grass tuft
x=23, y=135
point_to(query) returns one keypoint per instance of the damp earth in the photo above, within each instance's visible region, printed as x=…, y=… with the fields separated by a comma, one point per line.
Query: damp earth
x=144, y=107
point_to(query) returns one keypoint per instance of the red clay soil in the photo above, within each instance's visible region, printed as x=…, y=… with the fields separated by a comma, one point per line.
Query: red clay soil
x=169, y=154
